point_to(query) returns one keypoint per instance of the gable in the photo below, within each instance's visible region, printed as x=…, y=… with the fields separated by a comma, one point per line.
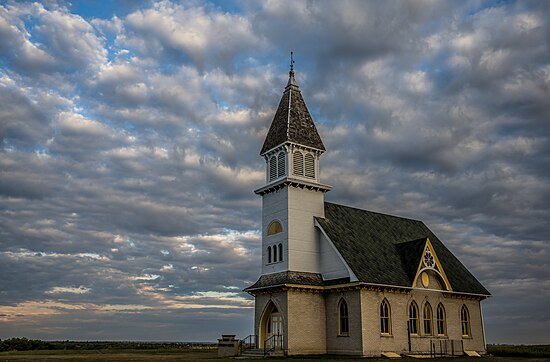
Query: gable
x=428, y=267
x=385, y=249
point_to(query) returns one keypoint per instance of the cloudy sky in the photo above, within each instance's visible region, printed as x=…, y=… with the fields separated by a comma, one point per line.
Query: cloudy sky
x=130, y=137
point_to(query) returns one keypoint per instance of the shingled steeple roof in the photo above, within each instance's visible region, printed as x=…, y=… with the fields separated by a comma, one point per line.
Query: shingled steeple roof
x=292, y=121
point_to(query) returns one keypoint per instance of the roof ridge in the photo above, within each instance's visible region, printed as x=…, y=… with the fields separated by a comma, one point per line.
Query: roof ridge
x=374, y=212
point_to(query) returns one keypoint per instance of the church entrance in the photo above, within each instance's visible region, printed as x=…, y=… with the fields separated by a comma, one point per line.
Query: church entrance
x=271, y=335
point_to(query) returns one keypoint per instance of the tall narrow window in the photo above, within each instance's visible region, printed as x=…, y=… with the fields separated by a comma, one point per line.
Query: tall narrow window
x=269, y=254
x=274, y=253
x=413, y=318
x=428, y=319
x=281, y=164
x=440, y=320
x=343, y=319
x=385, y=317
x=298, y=163
x=280, y=252
x=272, y=168
x=274, y=228
x=465, y=319
x=309, y=166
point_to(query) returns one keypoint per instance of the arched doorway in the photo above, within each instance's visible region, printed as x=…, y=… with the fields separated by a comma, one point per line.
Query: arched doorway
x=271, y=328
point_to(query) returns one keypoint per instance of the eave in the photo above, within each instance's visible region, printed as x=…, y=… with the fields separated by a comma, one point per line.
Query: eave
x=292, y=182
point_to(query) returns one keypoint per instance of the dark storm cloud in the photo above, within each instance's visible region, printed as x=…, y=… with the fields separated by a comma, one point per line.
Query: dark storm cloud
x=130, y=148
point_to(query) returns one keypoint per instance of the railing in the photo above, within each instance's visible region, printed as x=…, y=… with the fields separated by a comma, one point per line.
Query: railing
x=446, y=347
x=273, y=343
x=249, y=342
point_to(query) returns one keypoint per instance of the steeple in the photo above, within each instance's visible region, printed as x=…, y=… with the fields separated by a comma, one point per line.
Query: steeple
x=292, y=147
x=292, y=122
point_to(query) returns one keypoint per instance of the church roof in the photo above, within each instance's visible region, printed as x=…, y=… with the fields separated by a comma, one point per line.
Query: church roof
x=292, y=121
x=386, y=249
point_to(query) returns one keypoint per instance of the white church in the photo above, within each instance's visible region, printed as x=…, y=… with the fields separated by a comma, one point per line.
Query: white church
x=340, y=280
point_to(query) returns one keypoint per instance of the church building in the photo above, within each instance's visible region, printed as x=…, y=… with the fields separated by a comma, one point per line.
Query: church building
x=337, y=279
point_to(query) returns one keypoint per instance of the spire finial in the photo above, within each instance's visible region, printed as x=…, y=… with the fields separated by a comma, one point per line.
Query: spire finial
x=291, y=80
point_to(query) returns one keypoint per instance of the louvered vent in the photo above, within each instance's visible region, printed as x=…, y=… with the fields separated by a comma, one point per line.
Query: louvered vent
x=272, y=168
x=310, y=166
x=298, y=162
x=281, y=164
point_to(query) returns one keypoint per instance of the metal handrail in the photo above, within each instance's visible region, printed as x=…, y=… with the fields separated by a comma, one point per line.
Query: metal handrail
x=248, y=342
x=278, y=338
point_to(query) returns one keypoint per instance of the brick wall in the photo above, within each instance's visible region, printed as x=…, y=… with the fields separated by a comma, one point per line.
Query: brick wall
x=350, y=344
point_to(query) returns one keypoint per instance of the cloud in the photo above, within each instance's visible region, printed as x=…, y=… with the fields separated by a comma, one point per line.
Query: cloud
x=130, y=140
x=67, y=43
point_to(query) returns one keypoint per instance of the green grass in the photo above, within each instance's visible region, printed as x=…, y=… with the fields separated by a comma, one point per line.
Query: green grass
x=535, y=351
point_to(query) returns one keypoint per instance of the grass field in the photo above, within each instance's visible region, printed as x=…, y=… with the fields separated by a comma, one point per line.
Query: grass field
x=198, y=355
x=147, y=351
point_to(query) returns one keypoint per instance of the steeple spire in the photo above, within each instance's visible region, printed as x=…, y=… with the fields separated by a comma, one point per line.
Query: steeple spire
x=292, y=122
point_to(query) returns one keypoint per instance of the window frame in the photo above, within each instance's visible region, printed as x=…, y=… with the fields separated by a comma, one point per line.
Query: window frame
x=385, y=318
x=465, y=321
x=276, y=230
x=413, y=319
x=427, y=319
x=441, y=320
x=343, y=318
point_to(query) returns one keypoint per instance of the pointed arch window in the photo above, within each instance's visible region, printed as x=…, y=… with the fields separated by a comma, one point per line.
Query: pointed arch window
x=343, y=318
x=465, y=321
x=274, y=228
x=309, y=166
x=413, y=318
x=428, y=319
x=440, y=320
x=298, y=163
x=385, y=317
x=272, y=168
x=281, y=164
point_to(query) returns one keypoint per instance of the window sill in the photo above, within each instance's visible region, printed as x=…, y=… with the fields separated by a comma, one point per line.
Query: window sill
x=343, y=335
x=386, y=335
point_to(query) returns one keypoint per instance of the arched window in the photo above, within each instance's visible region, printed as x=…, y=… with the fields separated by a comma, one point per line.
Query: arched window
x=428, y=319
x=280, y=252
x=274, y=253
x=465, y=319
x=281, y=164
x=274, y=228
x=413, y=318
x=440, y=320
x=298, y=162
x=309, y=166
x=272, y=168
x=385, y=317
x=343, y=319
x=269, y=254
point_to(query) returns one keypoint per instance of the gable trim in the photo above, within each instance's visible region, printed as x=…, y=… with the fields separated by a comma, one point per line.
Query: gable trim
x=352, y=276
x=439, y=269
